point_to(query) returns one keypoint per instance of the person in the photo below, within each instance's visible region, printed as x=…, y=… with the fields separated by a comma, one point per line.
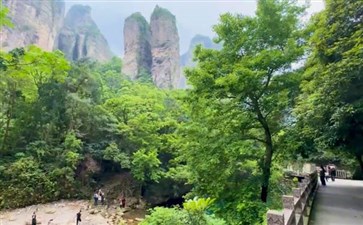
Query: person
x=328, y=173
x=120, y=201
x=123, y=201
x=95, y=197
x=79, y=214
x=322, y=175
x=102, y=197
x=333, y=173
x=34, y=219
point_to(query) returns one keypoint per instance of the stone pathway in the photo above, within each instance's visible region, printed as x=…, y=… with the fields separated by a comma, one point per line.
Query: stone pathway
x=338, y=203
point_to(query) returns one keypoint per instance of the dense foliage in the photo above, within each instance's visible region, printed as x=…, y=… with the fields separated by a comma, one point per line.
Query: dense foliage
x=330, y=108
x=57, y=117
x=253, y=106
x=193, y=213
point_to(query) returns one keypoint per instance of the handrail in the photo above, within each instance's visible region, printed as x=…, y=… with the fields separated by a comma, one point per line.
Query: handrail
x=343, y=174
x=297, y=206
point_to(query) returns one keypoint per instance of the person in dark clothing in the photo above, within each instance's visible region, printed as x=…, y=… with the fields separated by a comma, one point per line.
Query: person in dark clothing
x=333, y=173
x=79, y=217
x=328, y=174
x=123, y=202
x=102, y=198
x=322, y=175
x=34, y=219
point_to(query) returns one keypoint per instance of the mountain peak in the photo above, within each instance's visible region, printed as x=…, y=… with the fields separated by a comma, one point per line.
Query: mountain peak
x=80, y=36
x=160, y=12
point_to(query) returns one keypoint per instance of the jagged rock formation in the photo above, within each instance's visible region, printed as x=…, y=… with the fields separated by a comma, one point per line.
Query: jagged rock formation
x=186, y=60
x=164, y=48
x=137, y=60
x=152, y=49
x=81, y=38
x=35, y=22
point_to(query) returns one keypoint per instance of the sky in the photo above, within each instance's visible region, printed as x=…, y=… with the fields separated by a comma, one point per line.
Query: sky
x=193, y=16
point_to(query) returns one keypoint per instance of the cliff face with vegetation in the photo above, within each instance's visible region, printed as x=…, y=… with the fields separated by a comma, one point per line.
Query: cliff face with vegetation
x=137, y=60
x=152, y=49
x=81, y=38
x=35, y=22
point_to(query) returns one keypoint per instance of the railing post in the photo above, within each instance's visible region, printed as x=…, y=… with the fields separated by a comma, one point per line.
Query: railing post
x=288, y=202
x=297, y=194
x=299, y=206
x=307, y=182
x=289, y=206
x=275, y=218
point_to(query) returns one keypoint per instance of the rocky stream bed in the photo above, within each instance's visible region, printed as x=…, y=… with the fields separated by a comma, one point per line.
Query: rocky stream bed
x=64, y=213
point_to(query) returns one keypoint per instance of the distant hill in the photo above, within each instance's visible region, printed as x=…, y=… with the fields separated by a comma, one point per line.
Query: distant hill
x=186, y=60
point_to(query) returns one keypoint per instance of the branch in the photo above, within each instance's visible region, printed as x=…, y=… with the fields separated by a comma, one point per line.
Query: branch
x=269, y=76
x=20, y=64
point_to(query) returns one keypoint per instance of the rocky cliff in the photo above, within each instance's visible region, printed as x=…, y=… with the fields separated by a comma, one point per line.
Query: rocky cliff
x=137, y=60
x=152, y=49
x=35, y=22
x=81, y=38
x=164, y=48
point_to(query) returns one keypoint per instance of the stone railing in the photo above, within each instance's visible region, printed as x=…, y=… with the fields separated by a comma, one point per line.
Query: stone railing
x=343, y=174
x=297, y=206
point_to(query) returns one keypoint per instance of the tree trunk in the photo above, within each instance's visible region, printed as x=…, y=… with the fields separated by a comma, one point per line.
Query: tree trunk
x=267, y=161
x=266, y=170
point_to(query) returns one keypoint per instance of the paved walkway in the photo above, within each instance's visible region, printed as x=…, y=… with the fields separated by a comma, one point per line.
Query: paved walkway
x=338, y=203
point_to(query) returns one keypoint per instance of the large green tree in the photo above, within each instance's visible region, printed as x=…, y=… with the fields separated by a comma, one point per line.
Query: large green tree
x=23, y=73
x=245, y=83
x=331, y=105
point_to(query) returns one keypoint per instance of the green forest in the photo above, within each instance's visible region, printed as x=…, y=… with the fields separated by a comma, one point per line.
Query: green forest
x=279, y=91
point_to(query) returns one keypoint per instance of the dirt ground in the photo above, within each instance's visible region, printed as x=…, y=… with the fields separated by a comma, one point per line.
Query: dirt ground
x=61, y=213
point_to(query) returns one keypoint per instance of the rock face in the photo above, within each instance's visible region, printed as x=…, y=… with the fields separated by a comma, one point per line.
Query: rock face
x=137, y=36
x=35, y=22
x=152, y=49
x=164, y=48
x=81, y=38
x=166, y=193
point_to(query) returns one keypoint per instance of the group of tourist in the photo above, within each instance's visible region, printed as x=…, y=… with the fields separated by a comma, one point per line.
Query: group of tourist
x=99, y=196
x=327, y=172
